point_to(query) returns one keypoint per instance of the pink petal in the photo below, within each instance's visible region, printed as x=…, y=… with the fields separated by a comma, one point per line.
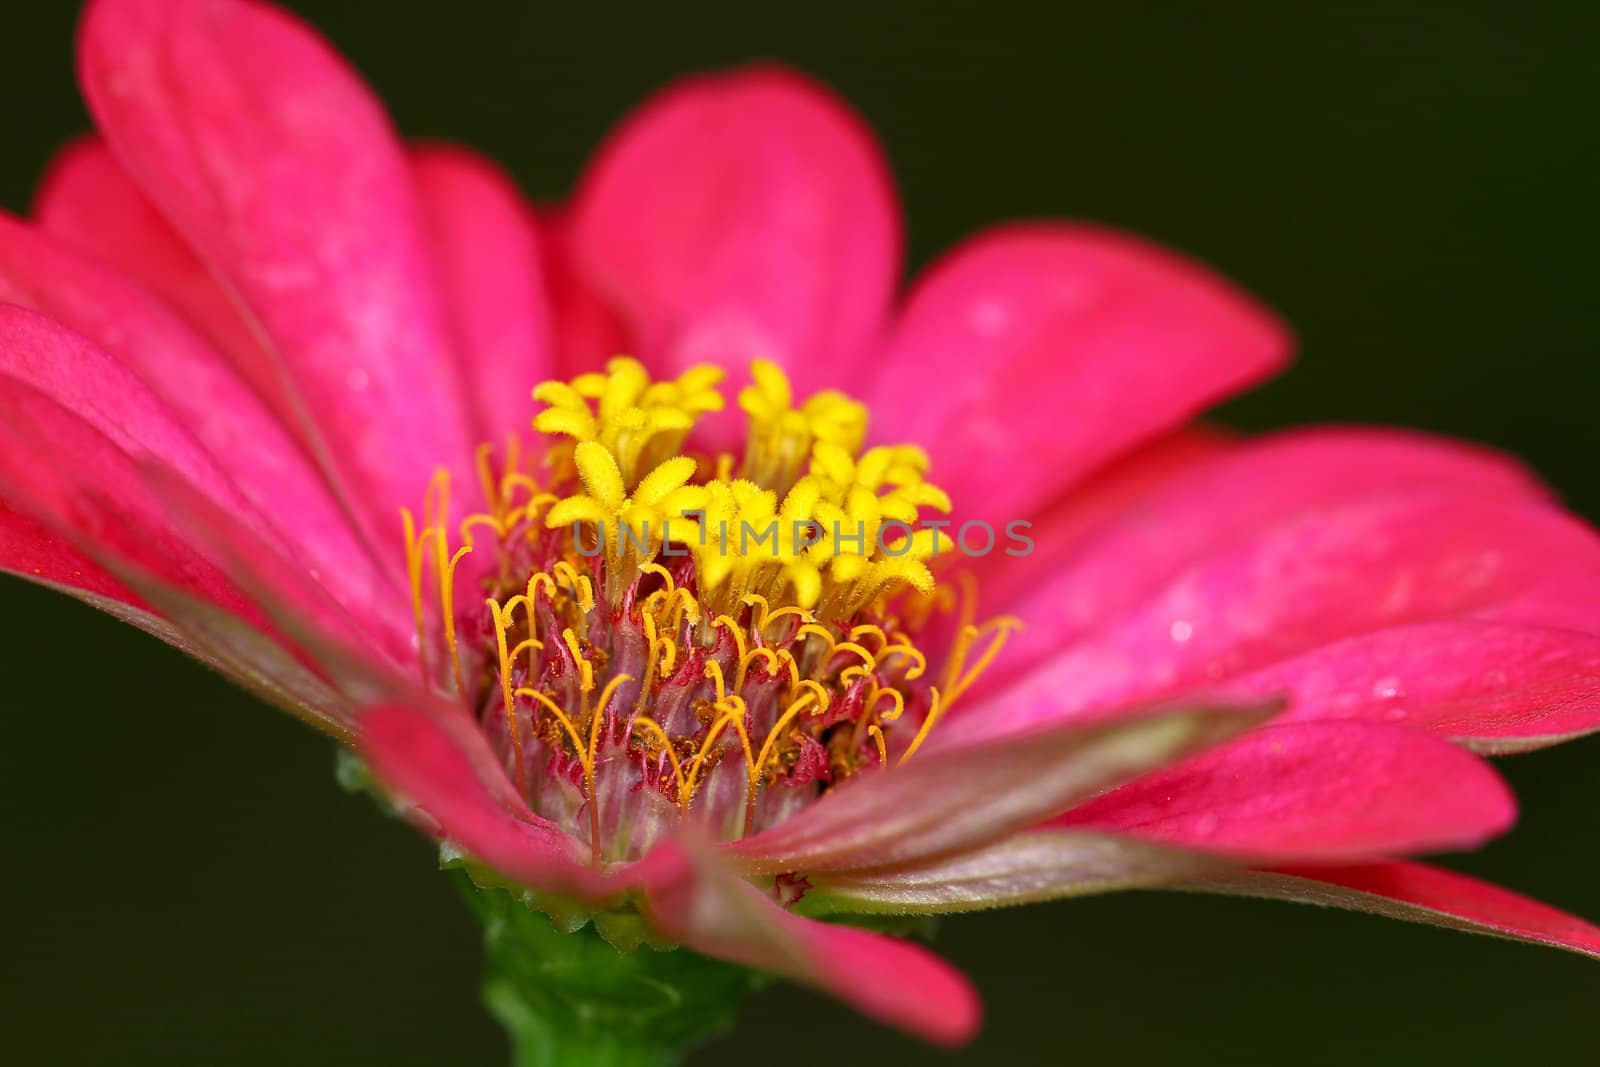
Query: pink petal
x=742, y=215
x=1034, y=353
x=1319, y=577
x=41, y=555
x=87, y=200
x=277, y=164
x=64, y=398
x=1110, y=496
x=441, y=765
x=32, y=551
x=942, y=802
x=711, y=911
x=586, y=331
x=1321, y=792
x=488, y=253
x=690, y=897
x=224, y=415
x=251, y=653
x=277, y=584
x=1123, y=551
x=1419, y=893
x=100, y=506
x=60, y=397
x=1496, y=688
x=1020, y=869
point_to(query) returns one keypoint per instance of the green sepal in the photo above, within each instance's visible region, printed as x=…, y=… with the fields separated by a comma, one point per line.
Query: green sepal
x=571, y=999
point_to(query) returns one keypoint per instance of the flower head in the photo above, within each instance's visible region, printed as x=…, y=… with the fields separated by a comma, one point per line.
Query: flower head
x=961, y=616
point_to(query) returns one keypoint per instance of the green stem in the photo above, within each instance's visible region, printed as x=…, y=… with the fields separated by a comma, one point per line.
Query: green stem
x=572, y=1000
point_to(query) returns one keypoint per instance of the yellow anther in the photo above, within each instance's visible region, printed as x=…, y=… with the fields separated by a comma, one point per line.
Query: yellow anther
x=580, y=585
x=868, y=629
x=811, y=629
x=666, y=575
x=877, y=739
x=447, y=607
x=861, y=670
x=414, y=549
x=803, y=615
x=731, y=714
x=903, y=648
x=934, y=709
x=585, y=668
x=507, y=657
x=958, y=676
x=599, y=711
x=747, y=658
x=896, y=698
x=819, y=693
x=545, y=701
x=472, y=522
x=759, y=764
x=735, y=631
x=760, y=608
x=713, y=671
x=666, y=747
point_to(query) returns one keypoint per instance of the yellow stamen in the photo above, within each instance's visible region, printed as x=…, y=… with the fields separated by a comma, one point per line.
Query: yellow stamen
x=877, y=739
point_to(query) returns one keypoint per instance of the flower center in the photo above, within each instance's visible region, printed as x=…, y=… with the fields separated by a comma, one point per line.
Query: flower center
x=668, y=634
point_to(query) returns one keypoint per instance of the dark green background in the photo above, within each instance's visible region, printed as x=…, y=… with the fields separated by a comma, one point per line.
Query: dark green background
x=1414, y=189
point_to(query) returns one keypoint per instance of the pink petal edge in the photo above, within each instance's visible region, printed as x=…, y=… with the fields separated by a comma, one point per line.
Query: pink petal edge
x=278, y=165
x=1035, y=352
x=743, y=215
x=1325, y=792
x=1417, y=892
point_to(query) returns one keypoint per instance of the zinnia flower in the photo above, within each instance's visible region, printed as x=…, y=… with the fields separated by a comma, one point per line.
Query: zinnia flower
x=1004, y=629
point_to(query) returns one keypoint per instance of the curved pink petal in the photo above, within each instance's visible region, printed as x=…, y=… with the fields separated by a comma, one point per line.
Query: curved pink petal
x=1419, y=893
x=76, y=425
x=248, y=650
x=1035, y=352
x=1111, y=494
x=278, y=585
x=88, y=201
x=229, y=645
x=99, y=505
x=34, y=552
x=1324, y=792
x=226, y=418
x=743, y=215
x=489, y=256
x=103, y=538
x=946, y=801
x=440, y=763
x=1495, y=687
x=1203, y=500
x=80, y=439
x=470, y=801
x=707, y=908
x=280, y=168
x=1021, y=868
x=1319, y=577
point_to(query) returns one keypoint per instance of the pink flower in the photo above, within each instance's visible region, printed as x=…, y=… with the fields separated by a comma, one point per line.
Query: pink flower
x=247, y=327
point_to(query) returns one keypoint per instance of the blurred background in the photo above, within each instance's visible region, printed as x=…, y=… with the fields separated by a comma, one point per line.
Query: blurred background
x=1413, y=186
